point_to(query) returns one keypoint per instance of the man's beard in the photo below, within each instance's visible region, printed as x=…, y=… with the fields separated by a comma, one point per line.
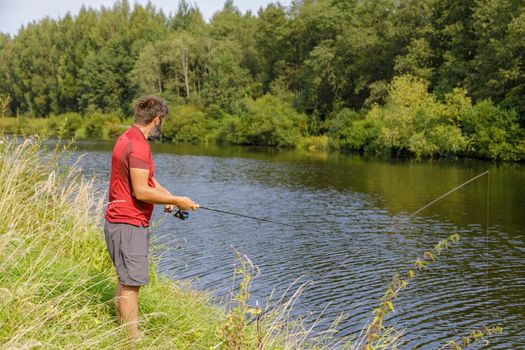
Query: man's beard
x=155, y=134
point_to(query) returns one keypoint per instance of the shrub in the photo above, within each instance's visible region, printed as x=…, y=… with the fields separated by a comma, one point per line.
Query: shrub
x=314, y=143
x=188, y=123
x=66, y=124
x=269, y=121
x=100, y=126
x=231, y=130
x=413, y=121
x=348, y=131
x=494, y=132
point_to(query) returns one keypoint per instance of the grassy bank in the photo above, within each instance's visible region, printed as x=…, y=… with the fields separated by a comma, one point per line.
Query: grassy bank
x=23, y=125
x=55, y=276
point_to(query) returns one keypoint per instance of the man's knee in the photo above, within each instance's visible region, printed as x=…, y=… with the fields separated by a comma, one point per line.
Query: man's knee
x=124, y=289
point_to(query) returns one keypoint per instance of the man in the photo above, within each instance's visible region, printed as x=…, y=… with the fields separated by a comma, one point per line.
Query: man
x=133, y=191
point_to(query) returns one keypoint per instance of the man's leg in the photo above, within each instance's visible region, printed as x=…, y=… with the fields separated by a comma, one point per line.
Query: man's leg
x=118, y=296
x=129, y=309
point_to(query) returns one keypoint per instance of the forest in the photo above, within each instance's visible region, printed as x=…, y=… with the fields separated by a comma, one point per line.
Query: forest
x=417, y=78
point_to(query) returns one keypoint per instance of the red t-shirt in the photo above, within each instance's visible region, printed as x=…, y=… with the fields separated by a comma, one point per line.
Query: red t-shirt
x=131, y=151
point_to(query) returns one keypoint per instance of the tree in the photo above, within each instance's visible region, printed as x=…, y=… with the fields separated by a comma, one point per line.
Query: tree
x=413, y=121
x=188, y=17
x=104, y=82
x=225, y=80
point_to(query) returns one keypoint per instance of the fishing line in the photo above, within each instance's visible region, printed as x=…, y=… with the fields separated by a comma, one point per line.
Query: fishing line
x=487, y=232
x=413, y=214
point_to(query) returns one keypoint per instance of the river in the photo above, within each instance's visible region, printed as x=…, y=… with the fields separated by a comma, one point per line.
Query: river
x=352, y=200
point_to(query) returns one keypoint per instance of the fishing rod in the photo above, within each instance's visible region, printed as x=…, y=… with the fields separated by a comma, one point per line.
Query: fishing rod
x=183, y=215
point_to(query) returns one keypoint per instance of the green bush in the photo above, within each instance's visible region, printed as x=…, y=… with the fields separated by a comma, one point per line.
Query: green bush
x=494, y=132
x=269, y=121
x=66, y=125
x=413, y=121
x=348, y=131
x=314, y=143
x=231, y=130
x=190, y=124
x=99, y=125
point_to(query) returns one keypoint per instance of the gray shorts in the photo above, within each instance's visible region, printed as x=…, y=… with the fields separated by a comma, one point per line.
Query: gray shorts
x=128, y=247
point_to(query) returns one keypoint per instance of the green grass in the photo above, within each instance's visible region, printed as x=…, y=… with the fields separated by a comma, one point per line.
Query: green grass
x=56, y=278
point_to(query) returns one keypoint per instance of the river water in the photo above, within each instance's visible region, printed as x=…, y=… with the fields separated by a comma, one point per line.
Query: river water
x=352, y=201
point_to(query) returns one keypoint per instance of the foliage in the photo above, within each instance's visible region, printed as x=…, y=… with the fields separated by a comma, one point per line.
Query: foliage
x=4, y=103
x=189, y=124
x=269, y=121
x=494, y=133
x=100, y=126
x=412, y=120
x=314, y=143
x=375, y=328
x=66, y=124
x=322, y=57
x=349, y=131
x=234, y=331
x=24, y=126
x=474, y=337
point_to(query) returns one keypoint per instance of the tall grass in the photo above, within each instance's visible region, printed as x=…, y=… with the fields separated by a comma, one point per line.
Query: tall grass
x=56, y=279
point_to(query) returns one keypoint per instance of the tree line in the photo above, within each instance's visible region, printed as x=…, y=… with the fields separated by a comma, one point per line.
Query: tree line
x=420, y=77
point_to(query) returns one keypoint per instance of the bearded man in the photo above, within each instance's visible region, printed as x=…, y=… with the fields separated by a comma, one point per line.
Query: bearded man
x=133, y=192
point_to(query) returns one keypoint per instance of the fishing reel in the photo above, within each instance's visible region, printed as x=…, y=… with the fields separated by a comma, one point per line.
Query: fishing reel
x=182, y=215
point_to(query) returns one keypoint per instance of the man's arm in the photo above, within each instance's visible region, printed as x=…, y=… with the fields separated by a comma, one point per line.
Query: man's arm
x=143, y=192
x=168, y=207
x=160, y=187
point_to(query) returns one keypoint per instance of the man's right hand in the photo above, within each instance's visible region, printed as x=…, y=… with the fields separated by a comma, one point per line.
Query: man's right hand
x=185, y=203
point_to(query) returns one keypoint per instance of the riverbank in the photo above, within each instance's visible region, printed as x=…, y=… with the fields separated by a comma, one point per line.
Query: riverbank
x=57, y=281
x=412, y=123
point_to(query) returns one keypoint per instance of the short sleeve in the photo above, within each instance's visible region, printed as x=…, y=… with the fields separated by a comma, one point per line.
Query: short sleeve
x=139, y=157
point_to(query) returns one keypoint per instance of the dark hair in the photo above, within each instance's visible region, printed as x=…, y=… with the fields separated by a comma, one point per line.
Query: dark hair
x=148, y=107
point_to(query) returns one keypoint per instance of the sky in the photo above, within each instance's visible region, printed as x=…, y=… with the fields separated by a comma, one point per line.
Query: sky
x=15, y=13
